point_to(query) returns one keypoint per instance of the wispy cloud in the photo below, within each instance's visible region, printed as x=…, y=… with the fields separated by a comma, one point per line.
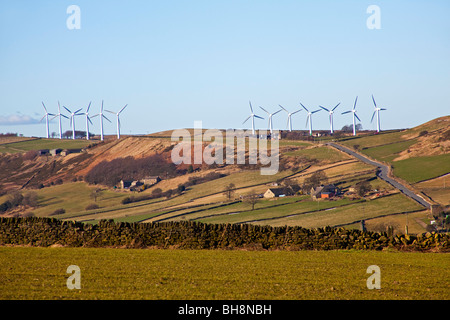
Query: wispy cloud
x=17, y=119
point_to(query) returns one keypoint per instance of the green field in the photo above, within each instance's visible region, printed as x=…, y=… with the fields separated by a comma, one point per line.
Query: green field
x=38, y=144
x=422, y=168
x=40, y=273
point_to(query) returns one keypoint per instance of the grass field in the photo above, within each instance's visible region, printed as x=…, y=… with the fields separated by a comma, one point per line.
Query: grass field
x=418, y=169
x=38, y=144
x=40, y=273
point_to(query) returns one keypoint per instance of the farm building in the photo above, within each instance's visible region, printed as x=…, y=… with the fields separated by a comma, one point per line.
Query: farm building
x=55, y=152
x=324, y=192
x=274, y=193
x=43, y=152
x=138, y=184
x=65, y=152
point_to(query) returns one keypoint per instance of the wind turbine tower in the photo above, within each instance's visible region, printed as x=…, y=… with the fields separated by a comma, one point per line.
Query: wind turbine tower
x=72, y=119
x=88, y=120
x=270, y=118
x=309, y=118
x=101, y=121
x=118, y=120
x=377, y=111
x=253, y=116
x=355, y=116
x=59, y=115
x=46, y=119
x=331, y=112
x=289, y=117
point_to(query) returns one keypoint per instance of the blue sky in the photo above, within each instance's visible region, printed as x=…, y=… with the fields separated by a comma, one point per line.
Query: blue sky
x=175, y=62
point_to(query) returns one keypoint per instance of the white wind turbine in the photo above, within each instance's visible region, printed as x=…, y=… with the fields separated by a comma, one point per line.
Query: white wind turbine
x=289, y=119
x=72, y=119
x=101, y=120
x=118, y=121
x=354, y=116
x=377, y=111
x=309, y=118
x=46, y=119
x=270, y=118
x=87, y=121
x=59, y=114
x=253, y=116
x=331, y=112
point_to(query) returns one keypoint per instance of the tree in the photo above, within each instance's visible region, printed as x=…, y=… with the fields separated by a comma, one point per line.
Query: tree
x=363, y=187
x=316, y=179
x=229, y=191
x=97, y=192
x=251, y=198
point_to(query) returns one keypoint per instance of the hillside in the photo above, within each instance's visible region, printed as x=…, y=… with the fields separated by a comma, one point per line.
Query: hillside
x=198, y=193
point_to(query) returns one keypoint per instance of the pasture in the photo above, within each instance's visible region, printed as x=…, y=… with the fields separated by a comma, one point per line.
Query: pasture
x=40, y=273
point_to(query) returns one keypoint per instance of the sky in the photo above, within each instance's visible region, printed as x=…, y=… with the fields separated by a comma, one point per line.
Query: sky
x=176, y=62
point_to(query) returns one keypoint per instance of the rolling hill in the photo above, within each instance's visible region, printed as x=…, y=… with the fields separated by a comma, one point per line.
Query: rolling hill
x=418, y=156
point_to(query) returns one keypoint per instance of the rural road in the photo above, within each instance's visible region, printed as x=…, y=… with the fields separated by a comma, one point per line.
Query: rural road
x=383, y=174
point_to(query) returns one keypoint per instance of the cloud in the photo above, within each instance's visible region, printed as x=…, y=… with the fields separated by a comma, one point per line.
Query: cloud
x=17, y=119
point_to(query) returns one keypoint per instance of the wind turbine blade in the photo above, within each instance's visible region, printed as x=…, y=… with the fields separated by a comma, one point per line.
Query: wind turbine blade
x=106, y=118
x=345, y=112
x=258, y=117
x=95, y=115
x=304, y=107
x=383, y=109
x=67, y=109
x=250, y=106
x=42, y=118
x=372, y=116
x=296, y=111
x=44, y=106
x=355, y=103
x=64, y=116
x=315, y=111
x=373, y=99
x=102, y=106
x=357, y=117
x=78, y=110
x=122, y=109
x=264, y=110
x=110, y=111
x=307, y=119
x=89, y=106
x=283, y=108
x=324, y=108
x=277, y=112
x=336, y=106
x=89, y=119
x=246, y=119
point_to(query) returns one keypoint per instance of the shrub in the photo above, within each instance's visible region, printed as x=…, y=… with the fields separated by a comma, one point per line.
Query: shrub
x=58, y=212
x=91, y=206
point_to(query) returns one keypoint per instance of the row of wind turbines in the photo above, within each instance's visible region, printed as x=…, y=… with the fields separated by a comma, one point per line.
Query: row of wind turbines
x=74, y=114
x=309, y=117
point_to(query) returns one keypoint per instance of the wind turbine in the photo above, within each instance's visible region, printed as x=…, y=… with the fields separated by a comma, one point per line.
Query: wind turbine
x=59, y=114
x=87, y=121
x=309, y=118
x=354, y=116
x=46, y=119
x=252, y=115
x=331, y=116
x=118, y=121
x=72, y=119
x=101, y=120
x=377, y=111
x=289, y=120
x=270, y=118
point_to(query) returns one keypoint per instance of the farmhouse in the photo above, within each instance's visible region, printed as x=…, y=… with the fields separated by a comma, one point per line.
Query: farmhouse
x=55, y=152
x=324, y=192
x=274, y=193
x=138, y=184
